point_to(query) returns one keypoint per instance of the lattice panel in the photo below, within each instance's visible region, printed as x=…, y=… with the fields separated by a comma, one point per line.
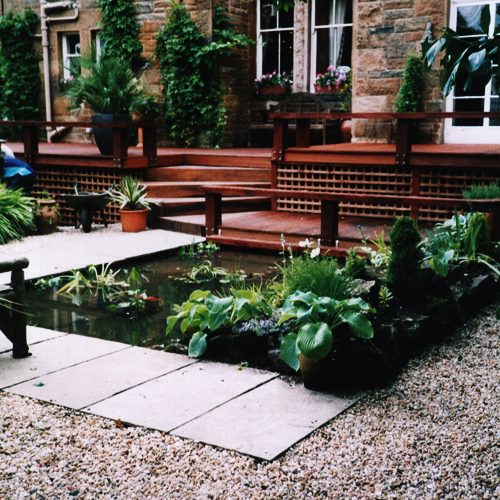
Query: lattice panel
x=59, y=180
x=344, y=179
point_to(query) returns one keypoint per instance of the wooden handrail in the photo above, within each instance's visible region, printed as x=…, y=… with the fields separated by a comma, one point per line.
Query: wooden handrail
x=120, y=137
x=338, y=115
x=330, y=205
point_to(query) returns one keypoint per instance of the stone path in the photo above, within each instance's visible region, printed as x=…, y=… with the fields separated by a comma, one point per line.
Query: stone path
x=251, y=411
x=72, y=249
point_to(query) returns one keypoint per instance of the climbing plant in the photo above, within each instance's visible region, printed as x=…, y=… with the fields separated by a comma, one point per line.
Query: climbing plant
x=19, y=72
x=120, y=30
x=190, y=74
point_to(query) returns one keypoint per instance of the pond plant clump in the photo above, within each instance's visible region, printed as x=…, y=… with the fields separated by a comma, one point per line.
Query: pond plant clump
x=355, y=323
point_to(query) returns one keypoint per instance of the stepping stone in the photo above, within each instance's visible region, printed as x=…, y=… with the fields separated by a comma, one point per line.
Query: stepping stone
x=174, y=399
x=53, y=355
x=34, y=335
x=266, y=421
x=101, y=378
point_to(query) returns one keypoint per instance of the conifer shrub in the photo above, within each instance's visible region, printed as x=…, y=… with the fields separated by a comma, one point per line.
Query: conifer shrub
x=411, y=92
x=404, y=271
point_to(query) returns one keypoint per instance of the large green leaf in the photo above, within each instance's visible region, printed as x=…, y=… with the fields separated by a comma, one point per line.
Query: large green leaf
x=475, y=61
x=359, y=324
x=433, y=51
x=315, y=340
x=485, y=19
x=197, y=345
x=440, y=262
x=290, y=351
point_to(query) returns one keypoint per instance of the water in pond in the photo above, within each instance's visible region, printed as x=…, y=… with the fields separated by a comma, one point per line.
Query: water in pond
x=88, y=317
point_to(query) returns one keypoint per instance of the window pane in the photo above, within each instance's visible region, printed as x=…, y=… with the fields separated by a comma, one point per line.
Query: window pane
x=344, y=39
x=348, y=13
x=469, y=20
x=269, y=52
x=324, y=10
x=495, y=106
x=477, y=89
x=285, y=19
x=268, y=16
x=324, y=50
x=286, y=52
x=73, y=44
x=497, y=17
x=334, y=46
x=468, y=105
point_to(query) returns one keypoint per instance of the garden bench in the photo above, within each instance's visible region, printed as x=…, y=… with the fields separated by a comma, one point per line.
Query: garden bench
x=12, y=315
x=330, y=206
x=298, y=102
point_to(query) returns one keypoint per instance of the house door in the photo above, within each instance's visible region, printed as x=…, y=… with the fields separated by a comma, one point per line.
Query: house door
x=465, y=18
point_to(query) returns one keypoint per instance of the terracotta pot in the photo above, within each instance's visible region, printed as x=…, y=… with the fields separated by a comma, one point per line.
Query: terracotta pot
x=133, y=221
x=47, y=216
x=326, y=90
x=346, y=130
x=275, y=89
x=315, y=374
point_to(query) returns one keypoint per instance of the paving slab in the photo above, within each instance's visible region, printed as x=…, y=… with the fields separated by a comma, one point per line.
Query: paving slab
x=53, y=355
x=72, y=249
x=101, y=378
x=34, y=334
x=174, y=399
x=268, y=420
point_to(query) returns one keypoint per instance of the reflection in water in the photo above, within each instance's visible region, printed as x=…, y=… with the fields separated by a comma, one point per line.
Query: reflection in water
x=87, y=315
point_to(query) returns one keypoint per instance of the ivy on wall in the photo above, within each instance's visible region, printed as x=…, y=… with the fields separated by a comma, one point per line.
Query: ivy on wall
x=19, y=72
x=119, y=30
x=190, y=75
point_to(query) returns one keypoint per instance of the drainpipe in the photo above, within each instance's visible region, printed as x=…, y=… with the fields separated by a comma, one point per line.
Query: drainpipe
x=45, y=20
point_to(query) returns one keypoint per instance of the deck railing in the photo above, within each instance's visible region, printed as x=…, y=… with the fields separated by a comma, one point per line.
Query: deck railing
x=31, y=134
x=404, y=130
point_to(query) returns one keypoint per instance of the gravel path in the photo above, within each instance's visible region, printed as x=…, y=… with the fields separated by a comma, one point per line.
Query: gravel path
x=431, y=434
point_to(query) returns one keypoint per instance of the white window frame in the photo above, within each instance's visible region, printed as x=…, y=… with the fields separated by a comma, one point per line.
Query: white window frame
x=260, y=43
x=471, y=134
x=66, y=54
x=314, y=39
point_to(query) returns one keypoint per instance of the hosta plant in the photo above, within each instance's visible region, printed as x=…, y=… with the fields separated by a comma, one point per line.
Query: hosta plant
x=204, y=313
x=317, y=319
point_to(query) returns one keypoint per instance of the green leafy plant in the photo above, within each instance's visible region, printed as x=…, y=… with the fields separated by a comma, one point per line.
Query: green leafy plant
x=190, y=74
x=199, y=250
x=469, y=59
x=207, y=271
x=411, y=92
x=119, y=30
x=403, y=272
x=317, y=318
x=204, y=313
x=130, y=195
x=19, y=71
x=482, y=191
x=106, y=86
x=16, y=214
x=147, y=106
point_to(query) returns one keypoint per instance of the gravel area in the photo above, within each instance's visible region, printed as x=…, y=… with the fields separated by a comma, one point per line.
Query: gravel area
x=432, y=434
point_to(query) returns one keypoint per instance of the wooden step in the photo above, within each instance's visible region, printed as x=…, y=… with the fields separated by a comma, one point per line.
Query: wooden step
x=196, y=205
x=163, y=189
x=208, y=174
x=254, y=159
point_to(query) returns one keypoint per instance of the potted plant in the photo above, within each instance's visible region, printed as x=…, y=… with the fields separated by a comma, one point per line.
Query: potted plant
x=131, y=197
x=46, y=214
x=332, y=81
x=109, y=88
x=274, y=83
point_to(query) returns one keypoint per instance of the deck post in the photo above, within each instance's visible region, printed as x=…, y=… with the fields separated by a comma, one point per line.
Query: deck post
x=280, y=133
x=149, y=147
x=404, y=127
x=30, y=140
x=329, y=222
x=213, y=213
x=120, y=145
x=303, y=133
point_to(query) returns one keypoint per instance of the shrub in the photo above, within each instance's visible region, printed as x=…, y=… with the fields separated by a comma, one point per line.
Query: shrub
x=19, y=72
x=321, y=276
x=410, y=95
x=16, y=214
x=482, y=191
x=403, y=272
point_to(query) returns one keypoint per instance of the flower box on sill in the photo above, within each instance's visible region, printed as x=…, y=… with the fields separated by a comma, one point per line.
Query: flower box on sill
x=273, y=90
x=327, y=89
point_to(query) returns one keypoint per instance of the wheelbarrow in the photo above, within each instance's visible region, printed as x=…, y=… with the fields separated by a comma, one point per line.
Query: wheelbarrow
x=85, y=204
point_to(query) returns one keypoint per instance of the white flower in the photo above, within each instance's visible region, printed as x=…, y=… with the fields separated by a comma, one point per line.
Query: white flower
x=314, y=253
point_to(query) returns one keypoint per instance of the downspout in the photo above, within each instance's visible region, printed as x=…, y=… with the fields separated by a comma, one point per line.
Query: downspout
x=45, y=20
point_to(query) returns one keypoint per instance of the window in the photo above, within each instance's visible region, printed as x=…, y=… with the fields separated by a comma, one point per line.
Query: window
x=331, y=35
x=70, y=54
x=465, y=19
x=274, y=39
